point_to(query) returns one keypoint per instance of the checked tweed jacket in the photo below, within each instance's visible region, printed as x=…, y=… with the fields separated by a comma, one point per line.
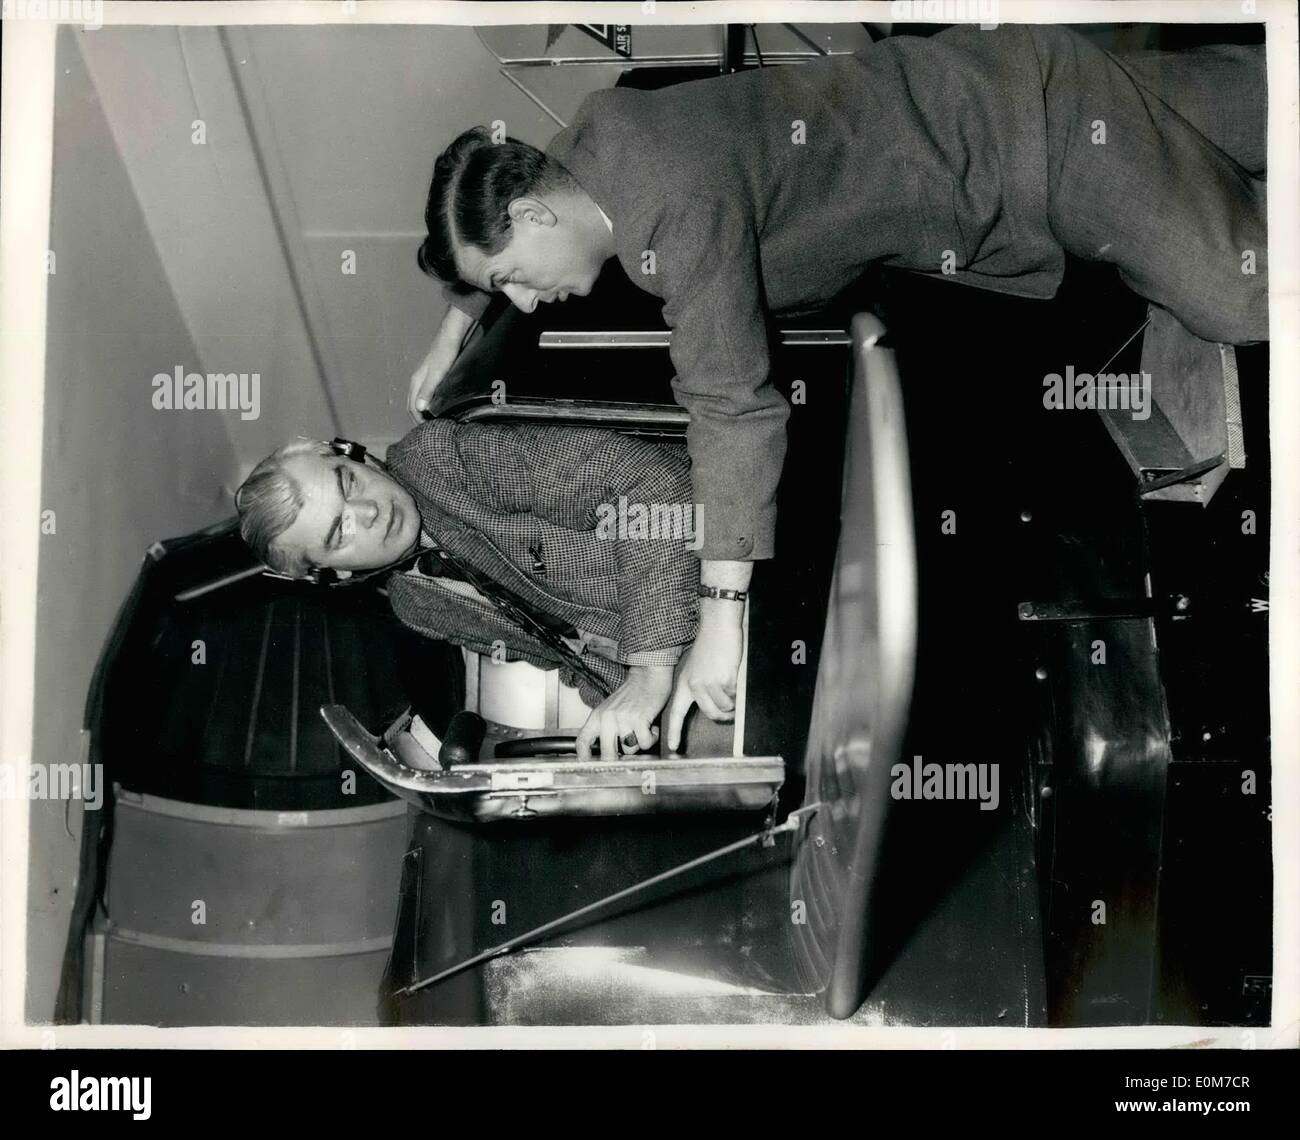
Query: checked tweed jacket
x=520, y=504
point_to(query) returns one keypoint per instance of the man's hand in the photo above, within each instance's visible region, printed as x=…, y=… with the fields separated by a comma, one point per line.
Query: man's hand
x=708, y=672
x=438, y=360
x=627, y=712
x=436, y=364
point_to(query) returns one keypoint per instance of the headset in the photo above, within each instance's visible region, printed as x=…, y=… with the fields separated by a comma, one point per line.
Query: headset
x=327, y=576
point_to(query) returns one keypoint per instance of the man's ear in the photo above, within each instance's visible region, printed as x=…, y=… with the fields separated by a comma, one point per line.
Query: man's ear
x=532, y=210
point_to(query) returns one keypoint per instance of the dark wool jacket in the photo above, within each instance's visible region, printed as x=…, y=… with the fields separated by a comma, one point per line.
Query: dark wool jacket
x=777, y=188
x=537, y=509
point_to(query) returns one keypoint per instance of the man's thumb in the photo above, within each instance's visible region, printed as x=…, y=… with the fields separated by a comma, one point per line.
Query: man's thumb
x=427, y=384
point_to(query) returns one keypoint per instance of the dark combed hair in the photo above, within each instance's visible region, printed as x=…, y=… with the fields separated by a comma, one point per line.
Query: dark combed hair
x=474, y=182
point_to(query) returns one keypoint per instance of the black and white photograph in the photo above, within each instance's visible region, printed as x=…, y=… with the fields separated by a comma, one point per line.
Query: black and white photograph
x=766, y=525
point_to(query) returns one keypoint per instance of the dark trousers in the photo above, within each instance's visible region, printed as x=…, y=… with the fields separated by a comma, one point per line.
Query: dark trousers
x=1156, y=164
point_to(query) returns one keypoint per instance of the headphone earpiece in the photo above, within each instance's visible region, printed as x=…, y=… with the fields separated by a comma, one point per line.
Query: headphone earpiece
x=323, y=576
x=348, y=449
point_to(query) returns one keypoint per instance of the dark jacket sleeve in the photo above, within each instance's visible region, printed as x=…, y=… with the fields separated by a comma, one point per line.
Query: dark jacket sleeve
x=707, y=258
x=575, y=478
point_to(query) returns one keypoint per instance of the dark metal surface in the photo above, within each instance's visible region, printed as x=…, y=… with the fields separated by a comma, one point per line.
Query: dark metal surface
x=713, y=949
x=1104, y=812
x=1216, y=858
x=719, y=925
x=545, y=364
x=764, y=838
x=214, y=700
x=663, y=338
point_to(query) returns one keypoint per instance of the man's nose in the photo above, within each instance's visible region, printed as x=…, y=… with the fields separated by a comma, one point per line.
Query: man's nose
x=367, y=512
x=523, y=299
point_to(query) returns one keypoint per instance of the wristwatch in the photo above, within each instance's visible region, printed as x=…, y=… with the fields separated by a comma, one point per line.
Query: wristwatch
x=723, y=595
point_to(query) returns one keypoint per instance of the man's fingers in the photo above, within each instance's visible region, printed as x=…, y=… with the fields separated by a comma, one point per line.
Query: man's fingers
x=425, y=391
x=425, y=379
x=608, y=738
x=420, y=400
x=586, y=734
x=678, y=707
x=413, y=392
x=708, y=706
x=722, y=700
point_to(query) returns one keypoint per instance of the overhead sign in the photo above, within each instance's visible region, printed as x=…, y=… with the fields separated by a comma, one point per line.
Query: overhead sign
x=616, y=36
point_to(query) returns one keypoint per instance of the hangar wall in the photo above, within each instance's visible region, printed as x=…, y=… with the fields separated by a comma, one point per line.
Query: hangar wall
x=117, y=474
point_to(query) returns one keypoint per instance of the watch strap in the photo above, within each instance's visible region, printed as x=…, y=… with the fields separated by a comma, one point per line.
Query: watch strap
x=721, y=594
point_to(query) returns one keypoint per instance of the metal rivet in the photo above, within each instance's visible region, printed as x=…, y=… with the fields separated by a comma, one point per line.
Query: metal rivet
x=1026, y=515
x=1046, y=792
x=1041, y=673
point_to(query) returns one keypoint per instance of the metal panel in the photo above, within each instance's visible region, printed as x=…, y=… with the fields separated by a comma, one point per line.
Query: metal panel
x=1103, y=801
x=265, y=878
x=532, y=787
x=1194, y=413
x=155, y=986
x=864, y=685
x=663, y=338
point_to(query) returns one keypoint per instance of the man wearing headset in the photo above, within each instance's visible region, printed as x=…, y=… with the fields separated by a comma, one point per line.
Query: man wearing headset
x=529, y=511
